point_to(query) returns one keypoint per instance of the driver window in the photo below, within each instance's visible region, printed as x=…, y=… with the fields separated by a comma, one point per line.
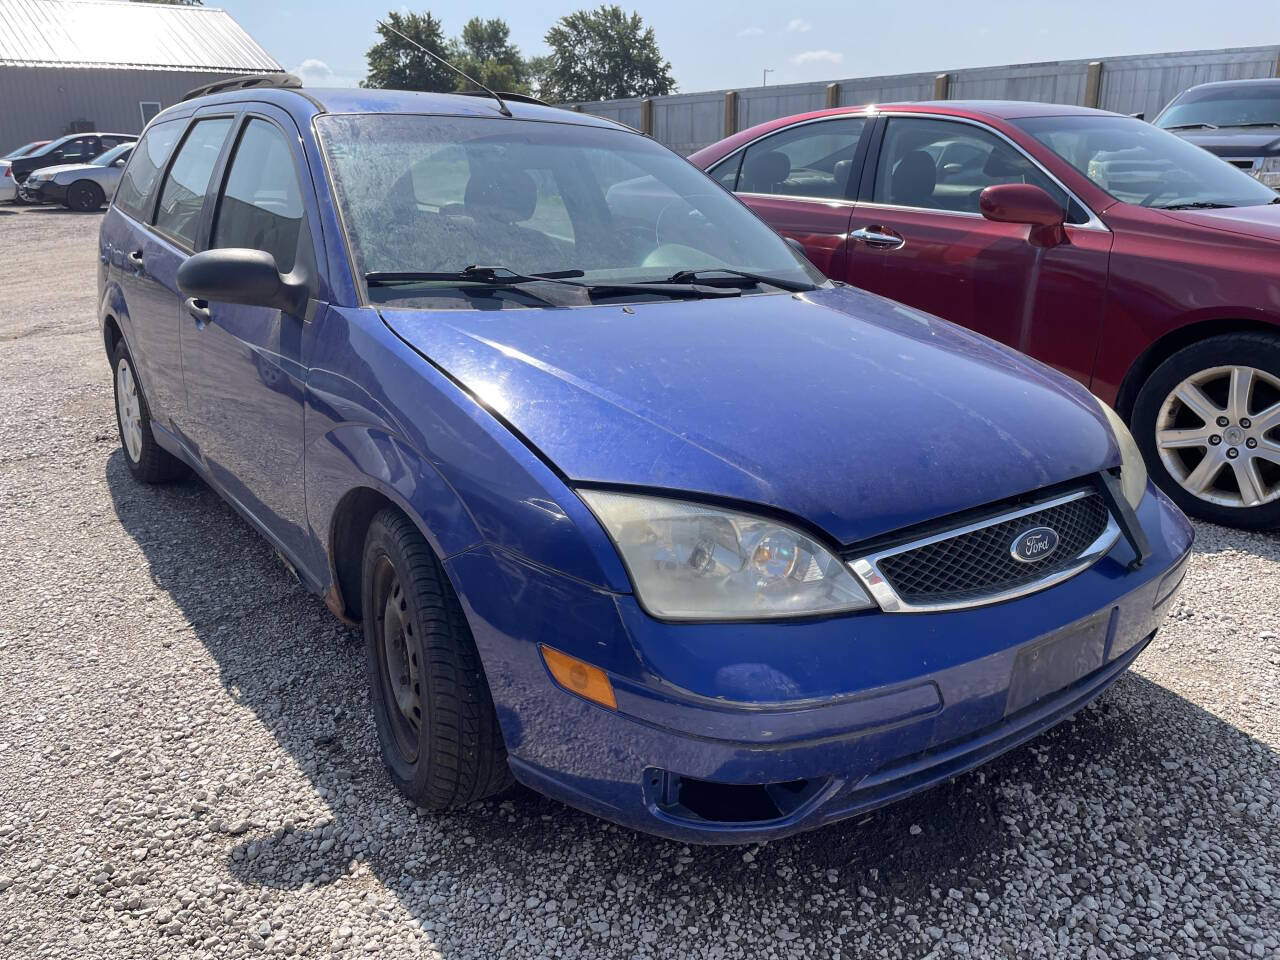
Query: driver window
x=261, y=204
x=943, y=165
x=809, y=160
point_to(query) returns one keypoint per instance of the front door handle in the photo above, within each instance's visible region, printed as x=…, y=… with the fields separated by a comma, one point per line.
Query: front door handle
x=135, y=259
x=198, y=309
x=882, y=238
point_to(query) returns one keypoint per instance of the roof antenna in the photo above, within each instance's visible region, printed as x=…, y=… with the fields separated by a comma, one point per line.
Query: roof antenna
x=502, y=107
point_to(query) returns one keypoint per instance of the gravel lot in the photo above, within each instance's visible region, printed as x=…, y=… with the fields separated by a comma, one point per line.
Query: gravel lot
x=188, y=765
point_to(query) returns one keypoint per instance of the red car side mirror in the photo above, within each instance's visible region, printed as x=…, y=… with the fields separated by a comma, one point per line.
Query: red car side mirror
x=1025, y=203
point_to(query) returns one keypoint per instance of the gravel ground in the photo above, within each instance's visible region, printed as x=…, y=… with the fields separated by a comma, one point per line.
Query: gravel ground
x=188, y=766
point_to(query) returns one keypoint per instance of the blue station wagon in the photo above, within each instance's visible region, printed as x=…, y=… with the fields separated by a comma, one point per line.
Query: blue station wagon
x=630, y=504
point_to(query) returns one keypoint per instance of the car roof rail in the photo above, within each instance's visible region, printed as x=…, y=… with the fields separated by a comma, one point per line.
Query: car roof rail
x=279, y=81
x=513, y=97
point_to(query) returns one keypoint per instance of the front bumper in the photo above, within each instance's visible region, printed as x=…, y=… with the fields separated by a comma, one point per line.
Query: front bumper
x=733, y=733
x=44, y=191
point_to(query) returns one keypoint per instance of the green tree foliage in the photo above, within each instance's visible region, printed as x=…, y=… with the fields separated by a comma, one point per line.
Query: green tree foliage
x=603, y=54
x=485, y=51
x=397, y=65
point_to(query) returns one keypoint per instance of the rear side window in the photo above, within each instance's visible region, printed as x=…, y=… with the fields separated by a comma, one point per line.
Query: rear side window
x=809, y=160
x=139, y=180
x=185, y=186
x=261, y=205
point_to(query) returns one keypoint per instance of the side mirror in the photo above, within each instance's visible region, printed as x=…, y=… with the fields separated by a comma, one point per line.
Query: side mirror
x=1029, y=204
x=1140, y=115
x=248, y=277
x=119, y=162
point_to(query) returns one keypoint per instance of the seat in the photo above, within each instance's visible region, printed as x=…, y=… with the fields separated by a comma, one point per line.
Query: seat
x=913, y=180
x=498, y=199
x=842, y=170
x=764, y=172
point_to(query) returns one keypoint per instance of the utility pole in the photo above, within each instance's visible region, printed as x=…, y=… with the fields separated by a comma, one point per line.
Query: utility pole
x=764, y=76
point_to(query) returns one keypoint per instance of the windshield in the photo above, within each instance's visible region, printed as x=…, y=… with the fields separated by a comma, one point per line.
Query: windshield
x=1245, y=105
x=21, y=151
x=112, y=155
x=1138, y=163
x=432, y=194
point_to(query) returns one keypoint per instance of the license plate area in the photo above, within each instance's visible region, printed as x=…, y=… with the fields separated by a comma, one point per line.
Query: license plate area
x=1056, y=661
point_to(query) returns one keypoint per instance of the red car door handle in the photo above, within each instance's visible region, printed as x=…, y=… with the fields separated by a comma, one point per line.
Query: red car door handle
x=882, y=238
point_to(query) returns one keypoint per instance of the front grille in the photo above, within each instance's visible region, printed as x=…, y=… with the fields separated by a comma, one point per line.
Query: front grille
x=977, y=563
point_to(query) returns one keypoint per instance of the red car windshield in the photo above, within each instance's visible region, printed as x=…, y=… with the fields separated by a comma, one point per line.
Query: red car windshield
x=1138, y=163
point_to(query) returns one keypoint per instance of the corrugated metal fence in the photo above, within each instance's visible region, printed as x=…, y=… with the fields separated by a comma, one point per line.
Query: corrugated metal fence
x=1145, y=83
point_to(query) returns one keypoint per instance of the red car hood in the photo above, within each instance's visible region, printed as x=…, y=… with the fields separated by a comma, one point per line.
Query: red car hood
x=1261, y=221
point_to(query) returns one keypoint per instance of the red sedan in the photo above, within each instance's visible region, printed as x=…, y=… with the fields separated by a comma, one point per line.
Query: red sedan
x=1137, y=263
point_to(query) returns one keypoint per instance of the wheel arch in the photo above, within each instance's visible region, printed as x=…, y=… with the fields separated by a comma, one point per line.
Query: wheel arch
x=1175, y=340
x=359, y=471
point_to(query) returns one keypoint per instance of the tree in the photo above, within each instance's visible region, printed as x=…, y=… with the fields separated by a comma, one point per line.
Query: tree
x=398, y=65
x=486, y=52
x=604, y=54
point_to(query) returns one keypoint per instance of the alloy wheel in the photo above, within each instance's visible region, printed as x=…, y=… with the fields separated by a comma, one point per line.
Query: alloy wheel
x=129, y=409
x=1218, y=434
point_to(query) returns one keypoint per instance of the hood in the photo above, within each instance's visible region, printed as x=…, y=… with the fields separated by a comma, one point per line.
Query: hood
x=1261, y=221
x=67, y=168
x=1235, y=141
x=857, y=414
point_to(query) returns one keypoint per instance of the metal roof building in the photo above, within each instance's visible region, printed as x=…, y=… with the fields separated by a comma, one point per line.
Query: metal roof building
x=72, y=65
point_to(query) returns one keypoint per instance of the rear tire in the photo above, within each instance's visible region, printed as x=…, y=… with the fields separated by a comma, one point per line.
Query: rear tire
x=147, y=460
x=85, y=196
x=436, y=722
x=1221, y=464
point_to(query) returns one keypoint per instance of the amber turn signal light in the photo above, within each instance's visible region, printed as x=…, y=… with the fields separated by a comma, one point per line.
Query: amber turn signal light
x=579, y=677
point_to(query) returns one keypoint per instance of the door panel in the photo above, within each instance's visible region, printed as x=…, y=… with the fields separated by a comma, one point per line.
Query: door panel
x=245, y=383
x=917, y=237
x=820, y=227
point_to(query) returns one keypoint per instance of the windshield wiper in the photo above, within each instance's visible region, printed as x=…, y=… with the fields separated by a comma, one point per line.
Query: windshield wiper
x=1196, y=205
x=495, y=276
x=505, y=277
x=1257, y=123
x=736, y=277
x=1192, y=126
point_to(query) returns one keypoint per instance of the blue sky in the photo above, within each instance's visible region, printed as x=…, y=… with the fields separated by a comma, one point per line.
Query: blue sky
x=714, y=45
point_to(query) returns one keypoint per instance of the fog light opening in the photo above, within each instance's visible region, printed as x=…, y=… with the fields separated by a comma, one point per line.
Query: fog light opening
x=706, y=801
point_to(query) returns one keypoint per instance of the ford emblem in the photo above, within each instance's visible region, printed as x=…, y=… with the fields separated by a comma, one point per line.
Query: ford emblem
x=1034, y=544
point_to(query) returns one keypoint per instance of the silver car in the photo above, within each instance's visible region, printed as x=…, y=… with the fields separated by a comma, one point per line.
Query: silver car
x=80, y=186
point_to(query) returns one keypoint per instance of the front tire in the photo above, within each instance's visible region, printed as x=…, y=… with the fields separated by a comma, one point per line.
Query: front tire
x=1208, y=423
x=436, y=722
x=147, y=460
x=85, y=196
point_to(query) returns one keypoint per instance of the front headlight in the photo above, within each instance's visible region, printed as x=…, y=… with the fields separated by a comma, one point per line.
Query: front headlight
x=1269, y=172
x=41, y=177
x=693, y=562
x=1133, y=470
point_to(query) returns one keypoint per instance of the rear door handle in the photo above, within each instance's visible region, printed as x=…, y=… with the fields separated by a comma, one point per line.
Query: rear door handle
x=882, y=238
x=198, y=309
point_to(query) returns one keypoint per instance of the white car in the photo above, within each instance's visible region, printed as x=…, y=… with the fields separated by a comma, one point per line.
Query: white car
x=80, y=186
x=8, y=185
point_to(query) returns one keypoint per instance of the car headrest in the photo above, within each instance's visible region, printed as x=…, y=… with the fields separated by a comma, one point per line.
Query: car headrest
x=914, y=178
x=842, y=169
x=501, y=193
x=1004, y=163
x=762, y=172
